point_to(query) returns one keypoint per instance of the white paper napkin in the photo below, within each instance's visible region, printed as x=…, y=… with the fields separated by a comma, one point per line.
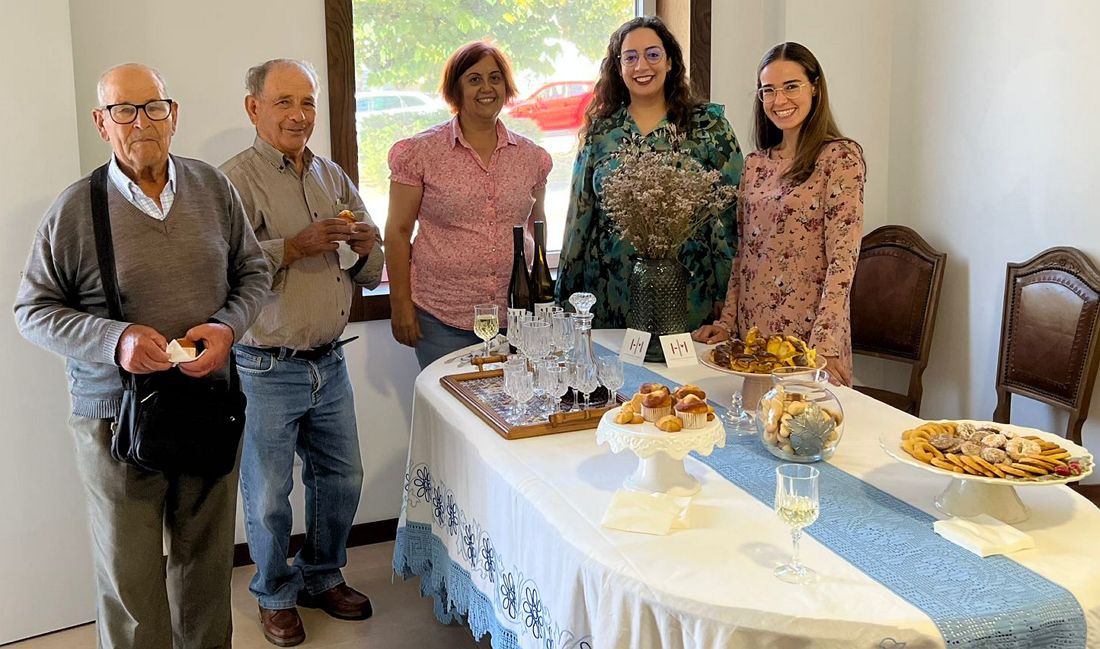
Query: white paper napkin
x=632, y=511
x=983, y=535
x=348, y=257
x=177, y=354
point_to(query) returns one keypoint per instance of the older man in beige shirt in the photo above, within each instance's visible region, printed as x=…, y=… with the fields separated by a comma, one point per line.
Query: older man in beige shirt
x=292, y=368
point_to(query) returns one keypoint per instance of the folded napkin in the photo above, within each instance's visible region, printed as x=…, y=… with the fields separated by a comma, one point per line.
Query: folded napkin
x=659, y=513
x=347, y=256
x=983, y=535
x=177, y=354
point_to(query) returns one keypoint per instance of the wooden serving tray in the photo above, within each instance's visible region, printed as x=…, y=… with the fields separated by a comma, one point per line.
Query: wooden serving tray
x=482, y=393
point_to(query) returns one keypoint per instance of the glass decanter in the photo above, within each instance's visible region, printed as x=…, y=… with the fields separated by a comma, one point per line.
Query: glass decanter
x=584, y=357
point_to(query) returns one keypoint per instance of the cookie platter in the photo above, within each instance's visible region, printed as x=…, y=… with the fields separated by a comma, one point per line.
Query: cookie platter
x=1027, y=458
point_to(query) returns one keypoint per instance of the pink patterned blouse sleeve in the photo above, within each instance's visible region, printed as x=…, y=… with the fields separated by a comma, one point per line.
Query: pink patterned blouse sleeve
x=405, y=166
x=843, y=207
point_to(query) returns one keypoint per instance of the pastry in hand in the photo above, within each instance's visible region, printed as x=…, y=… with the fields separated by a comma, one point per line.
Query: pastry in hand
x=692, y=411
x=348, y=216
x=670, y=424
x=656, y=404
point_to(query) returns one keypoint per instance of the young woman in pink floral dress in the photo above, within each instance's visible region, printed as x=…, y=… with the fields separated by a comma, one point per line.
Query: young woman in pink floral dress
x=800, y=216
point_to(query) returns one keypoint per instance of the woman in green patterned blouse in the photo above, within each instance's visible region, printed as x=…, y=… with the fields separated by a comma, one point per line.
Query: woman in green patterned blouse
x=643, y=91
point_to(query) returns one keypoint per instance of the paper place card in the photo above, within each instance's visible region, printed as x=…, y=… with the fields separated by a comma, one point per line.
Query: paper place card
x=679, y=350
x=634, y=345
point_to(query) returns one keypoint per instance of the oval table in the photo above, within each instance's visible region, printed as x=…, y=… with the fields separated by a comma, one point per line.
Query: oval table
x=506, y=535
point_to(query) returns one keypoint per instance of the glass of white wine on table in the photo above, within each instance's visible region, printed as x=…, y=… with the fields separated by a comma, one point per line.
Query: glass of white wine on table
x=796, y=504
x=486, y=323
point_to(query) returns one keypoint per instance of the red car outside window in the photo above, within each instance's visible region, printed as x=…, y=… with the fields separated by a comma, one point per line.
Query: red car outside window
x=556, y=106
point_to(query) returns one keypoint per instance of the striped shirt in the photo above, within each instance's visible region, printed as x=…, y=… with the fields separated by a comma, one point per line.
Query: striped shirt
x=132, y=192
x=312, y=299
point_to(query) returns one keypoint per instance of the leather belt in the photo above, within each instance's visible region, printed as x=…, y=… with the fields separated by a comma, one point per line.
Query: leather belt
x=315, y=354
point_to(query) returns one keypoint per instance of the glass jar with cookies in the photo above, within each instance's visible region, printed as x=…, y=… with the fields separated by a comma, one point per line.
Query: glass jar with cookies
x=800, y=420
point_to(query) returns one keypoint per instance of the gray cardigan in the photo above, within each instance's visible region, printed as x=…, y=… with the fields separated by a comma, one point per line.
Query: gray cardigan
x=201, y=263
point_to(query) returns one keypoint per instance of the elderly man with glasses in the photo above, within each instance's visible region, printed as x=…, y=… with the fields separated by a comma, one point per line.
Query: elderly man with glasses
x=188, y=266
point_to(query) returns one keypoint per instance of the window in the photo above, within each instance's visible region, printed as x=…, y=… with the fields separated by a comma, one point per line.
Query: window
x=555, y=49
x=380, y=50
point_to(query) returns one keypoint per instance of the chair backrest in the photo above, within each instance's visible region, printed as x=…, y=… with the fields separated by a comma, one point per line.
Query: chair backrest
x=1049, y=334
x=895, y=295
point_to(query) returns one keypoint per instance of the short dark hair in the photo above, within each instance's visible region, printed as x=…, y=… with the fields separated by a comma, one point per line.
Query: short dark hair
x=467, y=57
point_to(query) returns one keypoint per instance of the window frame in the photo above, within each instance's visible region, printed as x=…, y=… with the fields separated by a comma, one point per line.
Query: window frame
x=339, y=35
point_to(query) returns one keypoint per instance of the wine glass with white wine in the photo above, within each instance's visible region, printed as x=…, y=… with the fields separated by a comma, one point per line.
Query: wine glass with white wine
x=797, y=505
x=486, y=323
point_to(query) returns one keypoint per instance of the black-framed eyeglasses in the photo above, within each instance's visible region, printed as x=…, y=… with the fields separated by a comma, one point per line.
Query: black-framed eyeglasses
x=157, y=110
x=790, y=90
x=653, y=56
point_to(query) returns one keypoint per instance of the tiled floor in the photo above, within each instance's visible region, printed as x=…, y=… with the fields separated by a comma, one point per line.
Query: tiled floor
x=401, y=617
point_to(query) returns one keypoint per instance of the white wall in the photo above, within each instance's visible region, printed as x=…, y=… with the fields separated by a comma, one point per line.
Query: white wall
x=993, y=159
x=43, y=537
x=975, y=118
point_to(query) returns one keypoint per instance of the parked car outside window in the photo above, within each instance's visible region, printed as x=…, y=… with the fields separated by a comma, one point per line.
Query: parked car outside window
x=556, y=106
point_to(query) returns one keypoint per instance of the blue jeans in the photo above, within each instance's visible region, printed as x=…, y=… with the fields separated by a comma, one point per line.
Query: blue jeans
x=305, y=408
x=437, y=339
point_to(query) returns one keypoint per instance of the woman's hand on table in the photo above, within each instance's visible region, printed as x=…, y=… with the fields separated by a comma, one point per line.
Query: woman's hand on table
x=403, y=322
x=710, y=334
x=838, y=375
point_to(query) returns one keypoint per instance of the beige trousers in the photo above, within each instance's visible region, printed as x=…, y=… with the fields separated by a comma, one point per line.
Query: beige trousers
x=144, y=599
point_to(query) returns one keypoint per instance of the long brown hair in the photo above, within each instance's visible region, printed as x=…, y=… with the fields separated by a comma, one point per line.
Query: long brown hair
x=611, y=92
x=817, y=130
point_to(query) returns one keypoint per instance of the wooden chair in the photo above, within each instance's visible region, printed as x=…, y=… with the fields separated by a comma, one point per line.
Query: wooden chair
x=1050, y=332
x=894, y=298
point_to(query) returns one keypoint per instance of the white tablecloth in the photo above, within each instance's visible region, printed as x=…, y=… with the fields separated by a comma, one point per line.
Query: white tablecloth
x=528, y=560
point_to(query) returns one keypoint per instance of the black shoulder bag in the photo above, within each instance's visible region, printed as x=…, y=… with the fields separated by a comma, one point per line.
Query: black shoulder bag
x=167, y=422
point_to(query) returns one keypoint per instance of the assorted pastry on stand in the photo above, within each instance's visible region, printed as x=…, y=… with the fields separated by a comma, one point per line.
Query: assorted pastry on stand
x=990, y=451
x=669, y=410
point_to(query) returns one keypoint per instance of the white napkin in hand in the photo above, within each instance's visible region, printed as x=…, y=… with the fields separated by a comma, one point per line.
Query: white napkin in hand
x=632, y=511
x=177, y=354
x=348, y=257
x=983, y=535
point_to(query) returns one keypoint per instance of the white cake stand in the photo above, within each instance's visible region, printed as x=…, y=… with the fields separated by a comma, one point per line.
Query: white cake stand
x=660, y=454
x=970, y=495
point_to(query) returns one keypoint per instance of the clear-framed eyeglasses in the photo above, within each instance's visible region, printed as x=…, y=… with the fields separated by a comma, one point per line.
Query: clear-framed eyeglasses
x=157, y=110
x=653, y=56
x=790, y=90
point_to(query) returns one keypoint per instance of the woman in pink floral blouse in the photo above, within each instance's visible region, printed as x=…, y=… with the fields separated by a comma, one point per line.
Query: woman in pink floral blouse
x=800, y=216
x=465, y=183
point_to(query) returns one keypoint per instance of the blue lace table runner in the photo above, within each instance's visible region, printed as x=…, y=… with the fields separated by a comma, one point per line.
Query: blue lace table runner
x=992, y=602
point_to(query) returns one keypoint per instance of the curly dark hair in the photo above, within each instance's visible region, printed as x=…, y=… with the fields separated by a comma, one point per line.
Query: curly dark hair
x=611, y=92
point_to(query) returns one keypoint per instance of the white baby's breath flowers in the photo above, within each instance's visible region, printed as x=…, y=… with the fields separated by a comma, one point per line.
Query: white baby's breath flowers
x=658, y=199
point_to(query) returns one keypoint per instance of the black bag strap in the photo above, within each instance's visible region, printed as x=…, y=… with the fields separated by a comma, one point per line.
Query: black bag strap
x=105, y=252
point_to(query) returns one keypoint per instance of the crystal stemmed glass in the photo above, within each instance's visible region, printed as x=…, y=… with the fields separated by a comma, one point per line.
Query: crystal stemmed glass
x=486, y=323
x=585, y=380
x=738, y=422
x=558, y=381
x=514, y=364
x=524, y=391
x=611, y=375
x=796, y=504
x=563, y=333
x=536, y=336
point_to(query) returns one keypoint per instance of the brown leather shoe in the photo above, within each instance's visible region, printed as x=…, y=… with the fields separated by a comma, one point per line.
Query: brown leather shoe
x=282, y=627
x=343, y=602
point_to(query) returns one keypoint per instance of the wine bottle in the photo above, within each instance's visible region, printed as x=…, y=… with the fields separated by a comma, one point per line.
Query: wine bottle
x=519, y=286
x=542, y=286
